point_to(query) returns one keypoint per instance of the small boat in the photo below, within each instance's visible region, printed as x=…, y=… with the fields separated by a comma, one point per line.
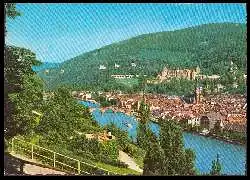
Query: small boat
x=129, y=125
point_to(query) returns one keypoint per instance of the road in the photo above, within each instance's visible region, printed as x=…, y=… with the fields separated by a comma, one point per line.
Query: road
x=123, y=157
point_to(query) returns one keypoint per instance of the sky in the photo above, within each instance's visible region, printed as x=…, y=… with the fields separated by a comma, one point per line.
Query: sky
x=58, y=32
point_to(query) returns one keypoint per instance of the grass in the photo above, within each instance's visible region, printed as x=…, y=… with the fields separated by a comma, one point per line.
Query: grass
x=118, y=170
x=139, y=161
x=139, y=155
x=115, y=169
x=128, y=81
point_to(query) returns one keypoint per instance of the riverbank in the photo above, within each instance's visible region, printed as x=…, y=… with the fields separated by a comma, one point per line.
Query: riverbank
x=212, y=136
x=210, y=146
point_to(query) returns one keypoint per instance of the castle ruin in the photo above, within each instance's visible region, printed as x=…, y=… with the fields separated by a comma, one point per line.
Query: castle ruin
x=168, y=74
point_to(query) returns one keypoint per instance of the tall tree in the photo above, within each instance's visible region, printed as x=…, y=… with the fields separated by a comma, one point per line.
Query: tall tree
x=173, y=158
x=143, y=115
x=216, y=167
x=19, y=81
x=154, y=160
x=180, y=160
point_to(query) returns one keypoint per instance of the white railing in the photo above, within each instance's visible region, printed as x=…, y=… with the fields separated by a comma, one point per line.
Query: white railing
x=15, y=146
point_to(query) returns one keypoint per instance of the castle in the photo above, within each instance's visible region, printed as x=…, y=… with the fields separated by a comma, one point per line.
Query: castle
x=168, y=74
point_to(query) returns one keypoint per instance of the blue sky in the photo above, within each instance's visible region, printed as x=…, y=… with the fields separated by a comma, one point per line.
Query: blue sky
x=58, y=32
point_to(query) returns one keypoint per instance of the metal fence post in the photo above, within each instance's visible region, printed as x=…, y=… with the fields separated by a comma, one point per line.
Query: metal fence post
x=79, y=167
x=54, y=164
x=32, y=147
x=12, y=145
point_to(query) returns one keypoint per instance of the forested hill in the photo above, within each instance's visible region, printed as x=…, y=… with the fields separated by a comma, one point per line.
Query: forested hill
x=210, y=46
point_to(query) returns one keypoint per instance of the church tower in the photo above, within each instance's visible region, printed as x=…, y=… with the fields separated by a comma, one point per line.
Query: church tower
x=198, y=70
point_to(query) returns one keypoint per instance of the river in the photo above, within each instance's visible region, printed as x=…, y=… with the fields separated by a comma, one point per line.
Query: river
x=232, y=156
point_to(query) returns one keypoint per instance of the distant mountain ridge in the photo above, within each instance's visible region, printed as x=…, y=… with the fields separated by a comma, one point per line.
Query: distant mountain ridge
x=209, y=46
x=45, y=65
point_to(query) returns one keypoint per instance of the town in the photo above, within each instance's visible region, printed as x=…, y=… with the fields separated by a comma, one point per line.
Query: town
x=229, y=110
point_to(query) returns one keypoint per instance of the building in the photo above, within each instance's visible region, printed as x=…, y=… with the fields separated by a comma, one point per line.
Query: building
x=235, y=127
x=102, y=67
x=85, y=96
x=120, y=76
x=101, y=137
x=208, y=120
x=133, y=64
x=194, y=122
x=168, y=74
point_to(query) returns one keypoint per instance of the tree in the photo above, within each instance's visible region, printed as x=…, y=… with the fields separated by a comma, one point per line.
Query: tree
x=154, y=160
x=19, y=81
x=143, y=131
x=11, y=12
x=143, y=113
x=28, y=100
x=171, y=140
x=173, y=158
x=216, y=167
x=63, y=116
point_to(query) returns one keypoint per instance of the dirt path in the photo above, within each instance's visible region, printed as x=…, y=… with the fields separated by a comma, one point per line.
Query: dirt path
x=19, y=165
x=123, y=157
x=37, y=170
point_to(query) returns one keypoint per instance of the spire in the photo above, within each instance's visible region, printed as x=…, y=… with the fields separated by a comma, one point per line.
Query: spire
x=198, y=69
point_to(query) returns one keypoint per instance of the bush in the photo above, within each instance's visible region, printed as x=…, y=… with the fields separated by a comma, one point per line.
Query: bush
x=134, y=151
x=114, y=162
x=110, y=149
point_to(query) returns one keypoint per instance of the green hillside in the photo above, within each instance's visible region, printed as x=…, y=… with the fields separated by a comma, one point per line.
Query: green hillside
x=210, y=46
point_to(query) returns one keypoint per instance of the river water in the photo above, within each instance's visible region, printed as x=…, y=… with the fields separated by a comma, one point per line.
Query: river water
x=232, y=156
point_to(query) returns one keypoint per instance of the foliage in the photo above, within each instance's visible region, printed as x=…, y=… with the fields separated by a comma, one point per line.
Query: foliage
x=10, y=10
x=116, y=169
x=232, y=135
x=63, y=116
x=178, y=159
x=17, y=63
x=121, y=135
x=143, y=113
x=210, y=46
x=216, y=167
x=26, y=101
x=110, y=150
x=23, y=90
x=104, y=102
x=154, y=160
x=168, y=156
x=173, y=87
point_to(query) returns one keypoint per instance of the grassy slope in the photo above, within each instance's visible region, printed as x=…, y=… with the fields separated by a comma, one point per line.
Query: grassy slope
x=116, y=169
x=128, y=82
x=35, y=139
